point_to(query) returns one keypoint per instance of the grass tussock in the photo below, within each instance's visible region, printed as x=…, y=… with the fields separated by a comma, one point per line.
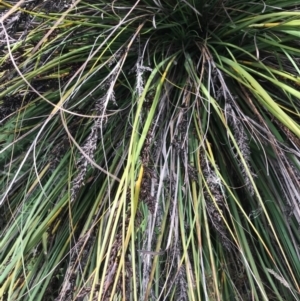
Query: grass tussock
x=149, y=150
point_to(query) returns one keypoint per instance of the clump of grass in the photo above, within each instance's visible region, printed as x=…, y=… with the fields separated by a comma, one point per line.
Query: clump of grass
x=149, y=150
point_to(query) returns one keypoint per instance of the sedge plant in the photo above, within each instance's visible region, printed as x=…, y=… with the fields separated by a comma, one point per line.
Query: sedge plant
x=150, y=150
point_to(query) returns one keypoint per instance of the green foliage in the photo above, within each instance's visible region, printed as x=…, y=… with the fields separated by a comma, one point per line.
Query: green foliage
x=150, y=150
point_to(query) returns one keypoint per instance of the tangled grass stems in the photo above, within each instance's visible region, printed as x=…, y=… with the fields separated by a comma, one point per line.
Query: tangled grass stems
x=149, y=150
